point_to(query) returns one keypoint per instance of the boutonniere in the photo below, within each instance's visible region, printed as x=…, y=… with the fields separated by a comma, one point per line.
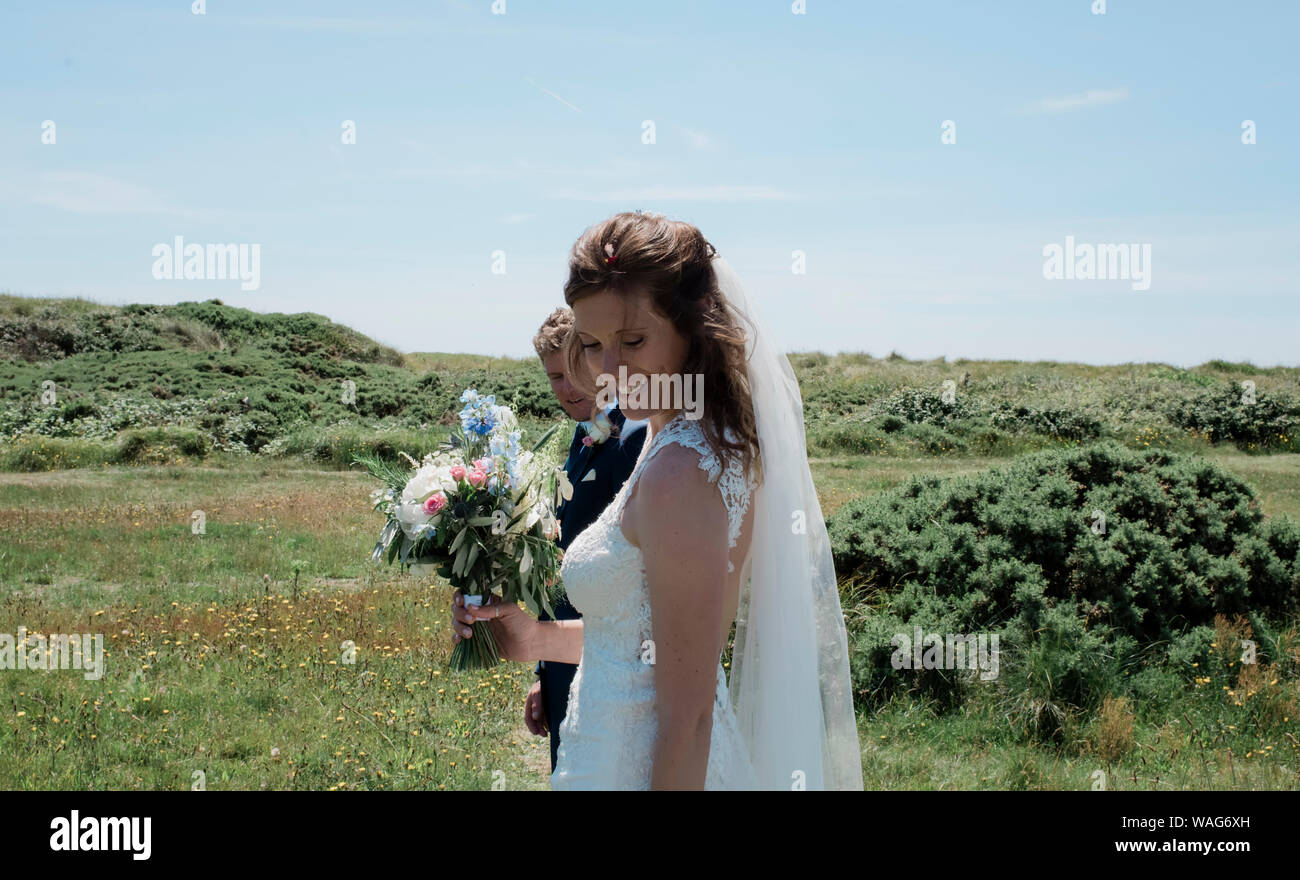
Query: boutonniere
x=598, y=430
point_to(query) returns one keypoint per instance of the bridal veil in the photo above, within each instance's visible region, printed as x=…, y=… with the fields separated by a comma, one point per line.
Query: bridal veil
x=789, y=684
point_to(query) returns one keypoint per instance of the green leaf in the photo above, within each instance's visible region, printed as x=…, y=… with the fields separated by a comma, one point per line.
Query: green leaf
x=547, y=436
x=460, y=539
x=458, y=568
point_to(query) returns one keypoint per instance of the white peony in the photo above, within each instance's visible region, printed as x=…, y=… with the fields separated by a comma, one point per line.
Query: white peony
x=412, y=518
x=427, y=480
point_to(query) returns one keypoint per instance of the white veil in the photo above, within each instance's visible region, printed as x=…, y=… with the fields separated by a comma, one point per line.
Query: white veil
x=790, y=684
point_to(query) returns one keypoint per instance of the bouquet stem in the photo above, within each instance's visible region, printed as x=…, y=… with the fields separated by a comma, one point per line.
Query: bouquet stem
x=480, y=650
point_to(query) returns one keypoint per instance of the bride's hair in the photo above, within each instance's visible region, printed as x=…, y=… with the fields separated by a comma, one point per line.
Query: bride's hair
x=672, y=262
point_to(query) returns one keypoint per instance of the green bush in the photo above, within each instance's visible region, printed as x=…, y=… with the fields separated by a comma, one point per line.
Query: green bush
x=838, y=398
x=337, y=444
x=1056, y=423
x=920, y=406
x=852, y=436
x=158, y=445
x=53, y=453
x=1136, y=546
x=524, y=389
x=1226, y=414
x=932, y=439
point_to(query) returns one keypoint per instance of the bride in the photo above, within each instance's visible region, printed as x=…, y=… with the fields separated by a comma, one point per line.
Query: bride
x=719, y=522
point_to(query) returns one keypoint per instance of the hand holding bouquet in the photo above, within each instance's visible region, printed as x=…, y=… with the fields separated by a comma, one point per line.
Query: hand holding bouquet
x=478, y=512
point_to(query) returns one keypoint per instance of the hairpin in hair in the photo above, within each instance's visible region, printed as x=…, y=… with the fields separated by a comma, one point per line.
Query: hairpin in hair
x=609, y=254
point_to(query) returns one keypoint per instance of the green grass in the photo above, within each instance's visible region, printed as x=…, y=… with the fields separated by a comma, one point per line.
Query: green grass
x=217, y=654
x=243, y=664
x=262, y=692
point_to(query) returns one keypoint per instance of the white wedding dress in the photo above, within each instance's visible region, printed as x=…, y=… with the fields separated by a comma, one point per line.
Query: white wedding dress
x=607, y=738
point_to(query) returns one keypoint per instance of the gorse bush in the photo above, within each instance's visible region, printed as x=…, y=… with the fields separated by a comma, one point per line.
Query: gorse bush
x=525, y=389
x=1058, y=423
x=840, y=398
x=1148, y=541
x=158, y=445
x=1137, y=547
x=336, y=445
x=1235, y=414
x=919, y=406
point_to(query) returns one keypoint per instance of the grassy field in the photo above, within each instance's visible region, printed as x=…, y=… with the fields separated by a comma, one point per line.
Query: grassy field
x=220, y=658
x=265, y=652
x=227, y=655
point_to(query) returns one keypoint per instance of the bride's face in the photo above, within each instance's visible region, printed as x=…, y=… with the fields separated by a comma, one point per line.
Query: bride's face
x=617, y=330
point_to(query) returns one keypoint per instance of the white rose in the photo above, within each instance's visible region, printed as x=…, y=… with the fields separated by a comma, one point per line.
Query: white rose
x=411, y=516
x=422, y=485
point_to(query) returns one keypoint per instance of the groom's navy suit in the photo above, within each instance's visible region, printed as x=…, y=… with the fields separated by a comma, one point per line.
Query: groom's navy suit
x=597, y=472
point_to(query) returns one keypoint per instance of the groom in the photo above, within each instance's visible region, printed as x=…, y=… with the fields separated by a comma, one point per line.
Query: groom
x=597, y=470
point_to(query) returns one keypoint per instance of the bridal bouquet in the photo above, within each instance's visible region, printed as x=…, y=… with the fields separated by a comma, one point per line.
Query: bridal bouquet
x=477, y=511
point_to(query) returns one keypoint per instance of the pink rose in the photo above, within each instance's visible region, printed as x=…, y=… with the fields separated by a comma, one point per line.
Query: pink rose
x=587, y=441
x=457, y=472
x=477, y=479
x=435, y=503
x=483, y=464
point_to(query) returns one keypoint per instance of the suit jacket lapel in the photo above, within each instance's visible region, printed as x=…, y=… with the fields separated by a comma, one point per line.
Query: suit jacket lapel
x=588, y=453
x=582, y=462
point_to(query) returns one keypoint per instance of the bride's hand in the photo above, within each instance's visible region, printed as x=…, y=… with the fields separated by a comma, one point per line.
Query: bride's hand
x=514, y=629
x=460, y=619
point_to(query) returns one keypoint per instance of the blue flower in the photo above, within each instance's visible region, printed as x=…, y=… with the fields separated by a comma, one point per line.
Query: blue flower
x=479, y=414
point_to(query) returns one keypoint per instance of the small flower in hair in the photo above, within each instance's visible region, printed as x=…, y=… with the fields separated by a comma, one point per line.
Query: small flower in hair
x=609, y=254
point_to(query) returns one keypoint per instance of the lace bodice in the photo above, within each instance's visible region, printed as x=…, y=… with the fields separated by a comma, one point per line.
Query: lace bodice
x=608, y=735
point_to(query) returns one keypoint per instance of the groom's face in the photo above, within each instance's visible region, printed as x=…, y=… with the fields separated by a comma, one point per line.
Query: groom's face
x=617, y=330
x=574, y=403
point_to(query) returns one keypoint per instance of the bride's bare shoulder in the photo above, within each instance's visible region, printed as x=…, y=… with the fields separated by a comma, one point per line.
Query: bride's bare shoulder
x=673, y=487
x=677, y=467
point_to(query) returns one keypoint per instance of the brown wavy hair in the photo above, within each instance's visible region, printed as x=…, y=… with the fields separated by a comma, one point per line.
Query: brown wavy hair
x=672, y=261
x=554, y=333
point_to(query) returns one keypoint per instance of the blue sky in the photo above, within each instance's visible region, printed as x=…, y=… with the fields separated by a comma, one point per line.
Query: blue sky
x=774, y=132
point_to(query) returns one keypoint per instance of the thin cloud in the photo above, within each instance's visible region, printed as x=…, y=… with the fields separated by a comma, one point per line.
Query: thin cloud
x=1090, y=98
x=553, y=95
x=339, y=25
x=82, y=192
x=698, y=139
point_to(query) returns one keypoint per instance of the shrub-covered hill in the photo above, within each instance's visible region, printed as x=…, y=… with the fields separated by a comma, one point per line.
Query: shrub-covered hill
x=35, y=330
x=158, y=383
x=240, y=379
x=855, y=403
